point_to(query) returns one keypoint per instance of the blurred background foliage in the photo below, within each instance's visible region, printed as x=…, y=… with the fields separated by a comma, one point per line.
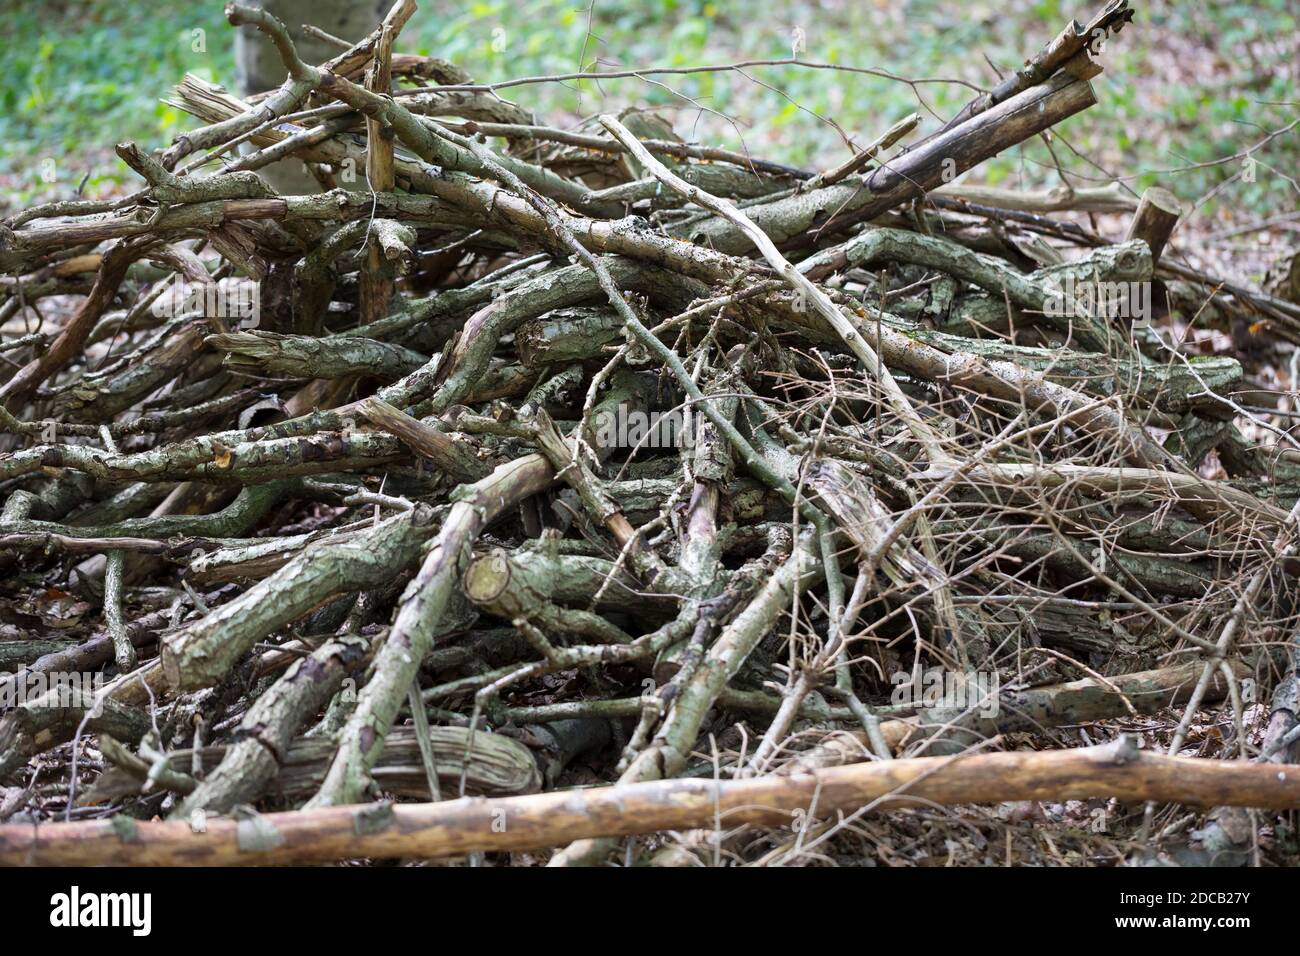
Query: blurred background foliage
x=1188, y=83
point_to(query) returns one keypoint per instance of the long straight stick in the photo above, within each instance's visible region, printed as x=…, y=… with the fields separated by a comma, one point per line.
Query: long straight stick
x=457, y=827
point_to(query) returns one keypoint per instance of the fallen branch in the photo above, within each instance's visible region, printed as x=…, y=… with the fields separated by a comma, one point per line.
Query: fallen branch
x=453, y=828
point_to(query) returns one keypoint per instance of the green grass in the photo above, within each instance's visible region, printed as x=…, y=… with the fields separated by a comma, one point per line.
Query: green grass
x=79, y=77
x=1188, y=83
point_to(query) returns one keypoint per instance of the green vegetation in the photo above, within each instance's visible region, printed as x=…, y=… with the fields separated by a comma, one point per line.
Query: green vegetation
x=1188, y=83
x=79, y=77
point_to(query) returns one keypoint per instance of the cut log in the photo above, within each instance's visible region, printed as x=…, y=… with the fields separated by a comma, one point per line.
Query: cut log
x=1156, y=217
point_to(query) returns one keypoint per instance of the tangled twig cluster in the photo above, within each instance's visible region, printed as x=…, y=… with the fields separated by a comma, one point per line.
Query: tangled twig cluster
x=553, y=457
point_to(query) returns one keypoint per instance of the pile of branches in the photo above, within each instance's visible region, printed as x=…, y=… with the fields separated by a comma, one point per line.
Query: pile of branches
x=578, y=484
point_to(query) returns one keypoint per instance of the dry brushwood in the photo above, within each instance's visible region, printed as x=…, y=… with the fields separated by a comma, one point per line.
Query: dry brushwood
x=557, y=457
